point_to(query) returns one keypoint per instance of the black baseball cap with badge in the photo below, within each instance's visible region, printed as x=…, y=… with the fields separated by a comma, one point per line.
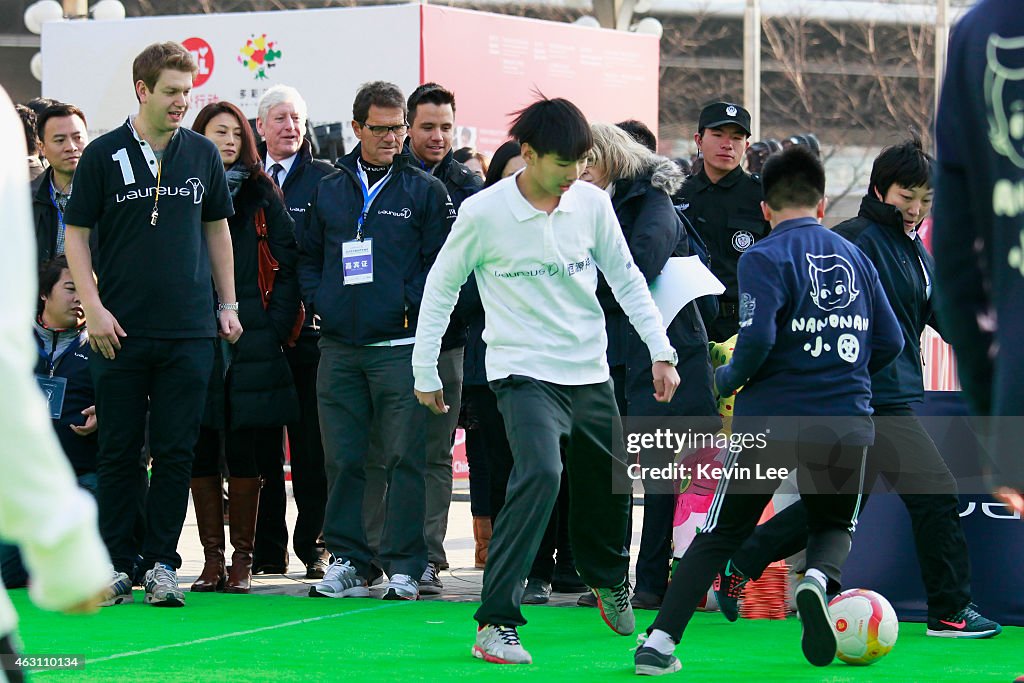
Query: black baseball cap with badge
x=723, y=113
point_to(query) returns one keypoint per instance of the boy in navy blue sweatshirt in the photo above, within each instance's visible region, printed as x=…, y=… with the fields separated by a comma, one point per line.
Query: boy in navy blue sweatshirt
x=814, y=325
x=886, y=230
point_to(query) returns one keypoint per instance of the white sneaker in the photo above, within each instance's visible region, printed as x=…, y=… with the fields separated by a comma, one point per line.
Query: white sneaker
x=402, y=587
x=500, y=645
x=162, y=587
x=340, y=581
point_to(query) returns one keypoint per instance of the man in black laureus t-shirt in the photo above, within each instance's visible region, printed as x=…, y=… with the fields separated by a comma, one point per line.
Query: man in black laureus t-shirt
x=158, y=197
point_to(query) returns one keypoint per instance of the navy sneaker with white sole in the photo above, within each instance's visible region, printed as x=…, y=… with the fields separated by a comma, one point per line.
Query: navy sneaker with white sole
x=967, y=623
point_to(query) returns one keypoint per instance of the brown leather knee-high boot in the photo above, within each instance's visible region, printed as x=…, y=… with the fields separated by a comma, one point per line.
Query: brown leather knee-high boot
x=244, y=494
x=206, y=497
x=482, y=537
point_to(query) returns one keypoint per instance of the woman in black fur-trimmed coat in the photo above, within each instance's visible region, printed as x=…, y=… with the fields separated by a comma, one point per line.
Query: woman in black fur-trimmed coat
x=641, y=184
x=252, y=394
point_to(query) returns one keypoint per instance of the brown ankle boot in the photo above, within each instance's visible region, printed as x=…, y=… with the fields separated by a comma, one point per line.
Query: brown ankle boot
x=482, y=536
x=244, y=494
x=206, y=497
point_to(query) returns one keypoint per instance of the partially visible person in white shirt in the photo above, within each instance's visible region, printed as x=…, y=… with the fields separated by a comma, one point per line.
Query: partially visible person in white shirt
x=42, y=508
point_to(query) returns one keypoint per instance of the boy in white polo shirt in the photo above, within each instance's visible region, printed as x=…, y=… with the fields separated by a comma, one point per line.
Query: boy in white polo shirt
x=535, y=241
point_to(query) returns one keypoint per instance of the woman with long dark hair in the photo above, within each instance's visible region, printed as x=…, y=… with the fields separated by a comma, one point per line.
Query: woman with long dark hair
x=252, y=395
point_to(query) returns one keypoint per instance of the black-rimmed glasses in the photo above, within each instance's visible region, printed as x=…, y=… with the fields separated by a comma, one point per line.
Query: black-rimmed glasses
x=382, y=131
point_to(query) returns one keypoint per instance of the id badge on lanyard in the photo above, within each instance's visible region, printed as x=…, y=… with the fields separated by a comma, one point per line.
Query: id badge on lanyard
x=357, y=254
x=357, y=261
x=53, y=389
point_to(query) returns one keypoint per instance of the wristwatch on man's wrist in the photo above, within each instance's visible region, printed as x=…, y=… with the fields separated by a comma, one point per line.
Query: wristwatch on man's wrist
x=670, y=357
x=227, y=307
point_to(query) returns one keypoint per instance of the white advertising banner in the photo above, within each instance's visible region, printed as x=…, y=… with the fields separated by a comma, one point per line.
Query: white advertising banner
x=325, y=53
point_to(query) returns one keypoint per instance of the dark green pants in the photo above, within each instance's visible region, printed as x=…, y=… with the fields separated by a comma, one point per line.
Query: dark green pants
x=539, y=417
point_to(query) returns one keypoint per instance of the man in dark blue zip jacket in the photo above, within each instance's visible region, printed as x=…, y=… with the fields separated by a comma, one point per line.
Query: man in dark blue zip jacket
x=373, y=231
x=814, y=325
x=898, y=199
x=288, y=159
x=431, y=130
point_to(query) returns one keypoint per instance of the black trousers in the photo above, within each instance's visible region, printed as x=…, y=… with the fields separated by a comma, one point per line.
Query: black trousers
x=906, y=457
x=493, y=441
x=309, y=480
x=477, y=444
x=654, y=560
x=271, y=544
x=171, y=377
x=242, y=448
x=736, y=508
x=540, y=418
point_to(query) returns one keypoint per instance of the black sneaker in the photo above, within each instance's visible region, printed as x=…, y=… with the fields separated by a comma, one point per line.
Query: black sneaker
x=377, y=576
x=728, y=587
x=818, y=640
x=966, y=623
x=537, y=592
x=270, y=568
x=650, y=662
x=645, y=600
x=430, y=582
x=587, y=600
x=318, y=567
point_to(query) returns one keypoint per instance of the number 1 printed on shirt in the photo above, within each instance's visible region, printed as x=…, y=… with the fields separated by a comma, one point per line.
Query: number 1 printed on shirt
x=127, y=174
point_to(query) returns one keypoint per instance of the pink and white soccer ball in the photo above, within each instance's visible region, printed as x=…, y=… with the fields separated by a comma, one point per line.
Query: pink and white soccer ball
x=866, y=626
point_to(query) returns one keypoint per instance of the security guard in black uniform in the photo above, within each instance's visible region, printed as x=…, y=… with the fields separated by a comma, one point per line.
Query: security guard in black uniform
x=724, y=204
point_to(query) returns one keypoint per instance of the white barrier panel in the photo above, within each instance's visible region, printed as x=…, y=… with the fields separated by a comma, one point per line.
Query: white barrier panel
x=326, y=54
x=493, y=63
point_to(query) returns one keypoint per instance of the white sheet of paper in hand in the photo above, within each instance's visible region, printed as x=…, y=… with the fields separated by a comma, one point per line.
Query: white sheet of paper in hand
x=683, y=279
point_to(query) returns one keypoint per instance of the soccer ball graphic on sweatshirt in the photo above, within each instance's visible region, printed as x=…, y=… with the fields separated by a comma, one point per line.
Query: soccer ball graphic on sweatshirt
x=865, y=624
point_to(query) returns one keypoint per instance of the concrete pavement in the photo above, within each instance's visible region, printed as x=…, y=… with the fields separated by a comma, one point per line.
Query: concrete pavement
x=462, y=582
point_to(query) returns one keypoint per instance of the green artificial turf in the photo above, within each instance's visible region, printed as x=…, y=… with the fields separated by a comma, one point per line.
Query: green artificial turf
x=280, y=638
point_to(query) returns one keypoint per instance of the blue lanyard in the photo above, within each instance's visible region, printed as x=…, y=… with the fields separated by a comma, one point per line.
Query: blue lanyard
x=368, y=197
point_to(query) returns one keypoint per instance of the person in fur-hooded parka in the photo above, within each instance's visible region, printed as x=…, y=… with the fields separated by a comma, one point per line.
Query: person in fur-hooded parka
x=641, y=184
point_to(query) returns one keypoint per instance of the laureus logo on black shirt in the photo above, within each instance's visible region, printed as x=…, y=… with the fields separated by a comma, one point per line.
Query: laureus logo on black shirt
x=193, y=187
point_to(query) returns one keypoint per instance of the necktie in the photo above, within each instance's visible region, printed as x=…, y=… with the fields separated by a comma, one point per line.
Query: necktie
x=61, y=200
x=275, y=170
